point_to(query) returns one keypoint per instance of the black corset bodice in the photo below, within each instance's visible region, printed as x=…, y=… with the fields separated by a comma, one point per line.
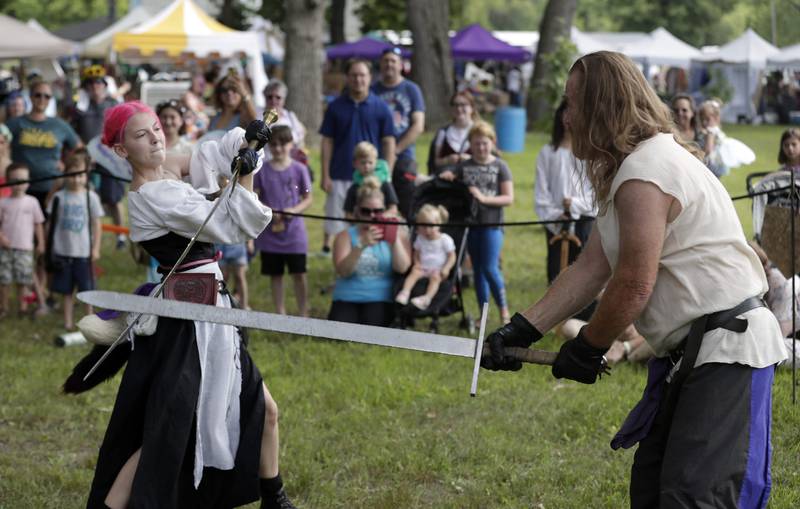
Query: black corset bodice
x=167, y=248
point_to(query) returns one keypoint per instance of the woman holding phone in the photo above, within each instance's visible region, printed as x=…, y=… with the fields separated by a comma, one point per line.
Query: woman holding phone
x=365, y=257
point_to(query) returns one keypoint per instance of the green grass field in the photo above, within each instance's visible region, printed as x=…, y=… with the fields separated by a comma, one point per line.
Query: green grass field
x=369, y=427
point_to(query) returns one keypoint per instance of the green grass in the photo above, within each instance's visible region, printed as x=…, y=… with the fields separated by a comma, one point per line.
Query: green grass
x=368, y=427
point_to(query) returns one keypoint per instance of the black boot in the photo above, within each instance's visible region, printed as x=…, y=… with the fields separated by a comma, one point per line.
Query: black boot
x=273, y=496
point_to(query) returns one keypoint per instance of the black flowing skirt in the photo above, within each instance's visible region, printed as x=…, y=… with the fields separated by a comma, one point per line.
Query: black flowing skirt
x=155, y=411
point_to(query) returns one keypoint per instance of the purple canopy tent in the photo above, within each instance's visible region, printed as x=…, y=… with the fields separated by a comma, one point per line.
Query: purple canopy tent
x=366, y=47
x=474, y=42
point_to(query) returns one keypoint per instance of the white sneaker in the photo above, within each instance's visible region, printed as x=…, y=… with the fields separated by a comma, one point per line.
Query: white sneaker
x=402, y=298
x=422, y=302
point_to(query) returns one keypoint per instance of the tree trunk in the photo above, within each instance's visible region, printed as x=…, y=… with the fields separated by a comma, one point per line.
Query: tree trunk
x=227, y=14
x=556, y=23
x=303, y=27
x=337, y=21
x=112, y=10
x=432, y=61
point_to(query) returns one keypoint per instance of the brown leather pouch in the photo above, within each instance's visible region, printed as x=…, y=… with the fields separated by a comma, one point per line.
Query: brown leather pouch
x=196, y=287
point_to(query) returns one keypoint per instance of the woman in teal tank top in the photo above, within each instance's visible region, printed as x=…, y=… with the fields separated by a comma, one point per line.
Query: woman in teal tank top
x=365, y=261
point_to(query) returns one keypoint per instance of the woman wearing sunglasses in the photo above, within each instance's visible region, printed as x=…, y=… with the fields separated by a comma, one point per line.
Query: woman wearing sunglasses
x=275, y=94
x=234, y=104
x=366, y=257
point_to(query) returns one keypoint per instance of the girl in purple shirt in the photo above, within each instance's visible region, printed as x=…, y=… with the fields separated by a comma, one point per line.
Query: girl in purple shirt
x=284, y=185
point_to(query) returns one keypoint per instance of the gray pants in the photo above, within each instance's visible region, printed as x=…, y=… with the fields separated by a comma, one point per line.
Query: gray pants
x=714, y=450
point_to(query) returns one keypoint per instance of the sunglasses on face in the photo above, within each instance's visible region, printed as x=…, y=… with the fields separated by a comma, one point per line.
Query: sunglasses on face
x=366, y=211
x=40, y=95
x=461, y=105
x=274, y=96
x=227, y=90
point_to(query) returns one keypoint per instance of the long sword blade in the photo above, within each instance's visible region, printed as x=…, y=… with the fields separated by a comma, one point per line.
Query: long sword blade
x=352, y=332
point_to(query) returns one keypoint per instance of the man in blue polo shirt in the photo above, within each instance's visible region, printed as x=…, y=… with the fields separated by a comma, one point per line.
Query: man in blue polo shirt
x=355, y=116
x=404, y=99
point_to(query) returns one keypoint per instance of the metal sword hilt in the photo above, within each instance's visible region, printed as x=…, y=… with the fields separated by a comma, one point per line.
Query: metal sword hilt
x=270, y=117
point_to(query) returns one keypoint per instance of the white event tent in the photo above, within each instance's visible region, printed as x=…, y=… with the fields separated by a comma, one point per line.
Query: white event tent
x=742, y=62
x=99, y=45
x=21, y=40
x=530, y=39
x=788, y=57
x=660, y=47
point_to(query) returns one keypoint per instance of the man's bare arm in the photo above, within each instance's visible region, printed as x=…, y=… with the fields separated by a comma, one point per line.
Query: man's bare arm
x=414, y=130
x=388, y=150
x=643, y=211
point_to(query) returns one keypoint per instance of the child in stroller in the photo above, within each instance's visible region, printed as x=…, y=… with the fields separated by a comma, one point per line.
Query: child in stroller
x=456, y=199
x=434, y=256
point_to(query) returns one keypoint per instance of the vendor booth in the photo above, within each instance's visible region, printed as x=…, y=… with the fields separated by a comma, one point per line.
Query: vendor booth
x=183, y=30
x=742, y=63
x=21, y=40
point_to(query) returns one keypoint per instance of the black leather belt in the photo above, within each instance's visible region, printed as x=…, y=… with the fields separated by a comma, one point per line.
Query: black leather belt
x=725, y=319
x=687, y=352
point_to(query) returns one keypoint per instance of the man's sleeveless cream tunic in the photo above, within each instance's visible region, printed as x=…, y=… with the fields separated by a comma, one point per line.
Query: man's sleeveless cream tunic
x=706, y=264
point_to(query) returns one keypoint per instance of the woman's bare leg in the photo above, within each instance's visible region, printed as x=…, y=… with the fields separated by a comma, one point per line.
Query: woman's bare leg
x=120, y=491
x=268, y=467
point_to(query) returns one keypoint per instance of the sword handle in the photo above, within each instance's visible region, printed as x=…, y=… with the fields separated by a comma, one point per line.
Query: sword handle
x=528, y=355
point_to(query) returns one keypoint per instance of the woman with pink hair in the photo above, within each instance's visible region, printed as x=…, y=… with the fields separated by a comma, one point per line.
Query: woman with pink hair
x=193, y=424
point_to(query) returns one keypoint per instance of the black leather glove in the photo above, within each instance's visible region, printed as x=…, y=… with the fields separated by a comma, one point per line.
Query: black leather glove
x=258, y=131
x=249, y=161
x=580, y=361
x=518, y=332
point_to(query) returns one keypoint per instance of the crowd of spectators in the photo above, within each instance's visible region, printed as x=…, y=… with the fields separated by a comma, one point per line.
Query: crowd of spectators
x=369, y=171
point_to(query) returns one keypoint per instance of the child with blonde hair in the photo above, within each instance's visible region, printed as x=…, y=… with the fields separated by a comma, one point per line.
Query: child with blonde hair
x=722, y=152
x=434, y=256
x=489, y=180
x=367, y=164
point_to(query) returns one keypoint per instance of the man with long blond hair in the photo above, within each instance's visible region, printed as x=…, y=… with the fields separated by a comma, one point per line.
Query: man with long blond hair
x=670, y=252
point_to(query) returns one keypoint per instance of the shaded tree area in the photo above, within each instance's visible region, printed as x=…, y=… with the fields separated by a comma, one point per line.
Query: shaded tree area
x=393, y=14
x=303, y=26
x=53, y=14
x=234, y=14
x=549, y=70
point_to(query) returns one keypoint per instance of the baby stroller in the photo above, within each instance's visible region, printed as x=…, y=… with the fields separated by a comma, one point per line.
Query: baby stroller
x=458, y=201
x=772, y=215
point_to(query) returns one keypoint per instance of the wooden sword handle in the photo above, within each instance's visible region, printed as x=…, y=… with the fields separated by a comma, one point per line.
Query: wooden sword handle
x=528, y=355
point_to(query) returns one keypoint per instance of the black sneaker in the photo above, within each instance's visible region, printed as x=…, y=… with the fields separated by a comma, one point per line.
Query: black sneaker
x=280, y=501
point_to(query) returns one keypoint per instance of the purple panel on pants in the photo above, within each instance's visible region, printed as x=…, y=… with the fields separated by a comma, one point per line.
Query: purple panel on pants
x=757, y=481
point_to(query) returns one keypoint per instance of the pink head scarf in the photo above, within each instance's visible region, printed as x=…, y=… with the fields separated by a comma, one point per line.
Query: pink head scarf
x=116, y=119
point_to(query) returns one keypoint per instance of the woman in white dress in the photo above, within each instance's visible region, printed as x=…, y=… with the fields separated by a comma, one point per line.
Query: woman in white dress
x=193, y=424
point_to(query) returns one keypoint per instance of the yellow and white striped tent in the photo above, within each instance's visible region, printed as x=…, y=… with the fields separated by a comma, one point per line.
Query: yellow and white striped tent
x=183, y=28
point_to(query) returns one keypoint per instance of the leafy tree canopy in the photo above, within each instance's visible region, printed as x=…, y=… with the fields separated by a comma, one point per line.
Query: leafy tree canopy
x=54, y=14
x=698, y=22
